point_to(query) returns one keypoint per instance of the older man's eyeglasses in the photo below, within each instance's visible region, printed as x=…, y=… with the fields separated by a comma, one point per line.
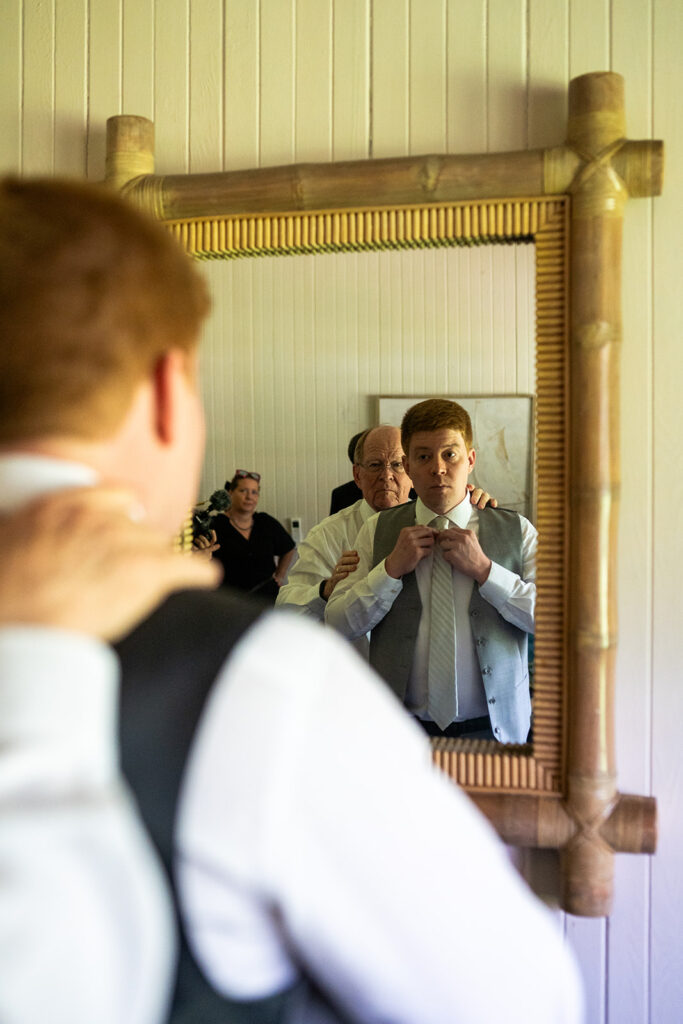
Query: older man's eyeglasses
x=375, y=466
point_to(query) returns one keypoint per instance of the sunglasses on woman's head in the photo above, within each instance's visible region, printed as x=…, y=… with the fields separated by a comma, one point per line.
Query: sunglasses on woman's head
x=242, y=473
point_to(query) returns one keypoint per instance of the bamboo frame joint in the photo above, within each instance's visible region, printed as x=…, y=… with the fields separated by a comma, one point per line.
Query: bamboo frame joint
x=596, y=335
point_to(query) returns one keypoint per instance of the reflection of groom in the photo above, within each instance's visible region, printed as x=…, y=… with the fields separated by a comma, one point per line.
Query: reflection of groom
x=447, y=590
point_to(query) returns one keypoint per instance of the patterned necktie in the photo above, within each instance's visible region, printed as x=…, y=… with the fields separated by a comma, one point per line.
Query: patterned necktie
x=441, y=700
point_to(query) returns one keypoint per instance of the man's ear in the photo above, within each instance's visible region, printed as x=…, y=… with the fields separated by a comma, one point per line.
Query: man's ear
x=471, y=458
x=169, y=371
x=356, y=474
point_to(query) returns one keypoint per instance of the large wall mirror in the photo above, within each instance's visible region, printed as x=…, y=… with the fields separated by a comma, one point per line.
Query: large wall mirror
x=560, y=791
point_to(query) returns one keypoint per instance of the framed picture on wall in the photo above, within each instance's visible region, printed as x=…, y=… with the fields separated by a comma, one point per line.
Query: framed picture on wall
x=503, y=433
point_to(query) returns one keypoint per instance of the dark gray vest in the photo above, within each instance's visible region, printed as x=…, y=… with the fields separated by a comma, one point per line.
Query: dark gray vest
x=169, y=665
x=501, y=648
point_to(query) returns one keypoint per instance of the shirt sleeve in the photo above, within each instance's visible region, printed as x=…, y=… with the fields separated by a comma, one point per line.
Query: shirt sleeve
x=314, y=565
x=315, y=830
x=85, y=924
x=362, y=600
x=514, y=597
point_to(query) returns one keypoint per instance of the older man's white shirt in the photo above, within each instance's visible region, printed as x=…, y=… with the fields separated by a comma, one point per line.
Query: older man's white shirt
x=319, y=553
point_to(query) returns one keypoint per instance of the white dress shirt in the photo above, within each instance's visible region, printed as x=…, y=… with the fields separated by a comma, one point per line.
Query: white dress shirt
x=362, y=600
x=319, y=553
x=86, y=933
x=314, y=831
x=318, y=556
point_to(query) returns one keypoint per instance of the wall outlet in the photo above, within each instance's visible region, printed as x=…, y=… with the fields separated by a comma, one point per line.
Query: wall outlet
x=296, y=528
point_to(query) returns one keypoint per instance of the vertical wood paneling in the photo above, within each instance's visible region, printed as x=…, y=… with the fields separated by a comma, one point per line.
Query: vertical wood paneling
x=324, y=369
x=369, y=370
x=438, y=345
x=628, y=968
x=277, y=70
x=427, y=69
x=339, y=384
x=587, y=937
x=38, y=133
x=11, y=86
x=206, y=86
x=171, y=86
x=459, y=284
x=667, y=878
x=313, y=80
x=466, y=89
x=306, y=384
x=507, y=71
x=390, y=85
x=137, y=87
x=351, y=88
x=589, y=39
x=525, y=318
x=475, y=341
x=104, y=79
x=242, y=96
x=292, y=479
x=548, y=35
x=70, y=77
x=503, y=365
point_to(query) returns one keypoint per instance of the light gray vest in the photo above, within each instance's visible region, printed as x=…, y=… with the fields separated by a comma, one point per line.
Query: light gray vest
x=501, y=648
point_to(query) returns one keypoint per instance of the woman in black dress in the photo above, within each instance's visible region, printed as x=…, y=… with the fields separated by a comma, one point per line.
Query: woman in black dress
x=255, y=550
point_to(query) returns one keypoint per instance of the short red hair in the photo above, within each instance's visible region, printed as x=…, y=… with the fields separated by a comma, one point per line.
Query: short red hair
x=436, y=414
x=92, y=293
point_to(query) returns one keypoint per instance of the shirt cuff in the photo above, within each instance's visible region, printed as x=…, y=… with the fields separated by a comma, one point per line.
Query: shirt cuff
x=386, y=585
x=499, y=586
x=59, y=699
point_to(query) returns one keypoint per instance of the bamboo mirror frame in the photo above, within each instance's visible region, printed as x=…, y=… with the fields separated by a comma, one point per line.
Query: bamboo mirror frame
x=560, y=792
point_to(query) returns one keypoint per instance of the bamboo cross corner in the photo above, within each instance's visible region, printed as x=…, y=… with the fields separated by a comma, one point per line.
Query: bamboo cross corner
x=561, y=792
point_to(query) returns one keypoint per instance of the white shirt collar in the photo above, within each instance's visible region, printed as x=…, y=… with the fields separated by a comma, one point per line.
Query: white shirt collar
x=460, y=515
x=23, y=477
x=365, y=510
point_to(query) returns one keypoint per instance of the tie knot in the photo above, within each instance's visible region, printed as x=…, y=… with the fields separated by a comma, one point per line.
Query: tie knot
x=440, y=522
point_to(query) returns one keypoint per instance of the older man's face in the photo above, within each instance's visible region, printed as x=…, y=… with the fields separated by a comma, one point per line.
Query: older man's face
x=381, y=477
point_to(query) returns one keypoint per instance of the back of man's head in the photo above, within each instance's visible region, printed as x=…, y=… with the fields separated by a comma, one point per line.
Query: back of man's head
x=92, y=294
x=435, y=414
x=351, y=449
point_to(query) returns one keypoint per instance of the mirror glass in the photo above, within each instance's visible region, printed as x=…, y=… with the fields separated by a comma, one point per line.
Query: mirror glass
x=301, y=353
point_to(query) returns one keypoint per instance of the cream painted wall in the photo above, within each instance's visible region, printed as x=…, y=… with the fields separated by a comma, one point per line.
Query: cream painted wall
x=238, y=83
